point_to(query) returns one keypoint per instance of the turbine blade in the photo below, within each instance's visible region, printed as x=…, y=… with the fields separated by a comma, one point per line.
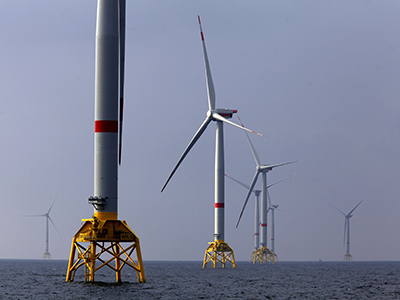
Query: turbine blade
x=355, y=207
x=122, y=5
x=191, y=144
x=344, y=232
x=217, y=116
x=253, y=150
x=33, y=215
x=54, y=201
x=55, y=226
x=253, y=183
x=241, y=183
x=276, y=182
x=338, y=210
x=210, y=84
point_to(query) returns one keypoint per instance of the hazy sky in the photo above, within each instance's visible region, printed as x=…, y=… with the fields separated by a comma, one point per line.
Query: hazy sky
x=319, y=78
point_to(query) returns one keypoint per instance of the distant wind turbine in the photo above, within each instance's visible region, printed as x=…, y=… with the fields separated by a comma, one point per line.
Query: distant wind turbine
x=218, y=115
x=46, y=254
x=346, y=235
x=257, y=193
x=253, y=256
x=272, y=208
x=264, y=253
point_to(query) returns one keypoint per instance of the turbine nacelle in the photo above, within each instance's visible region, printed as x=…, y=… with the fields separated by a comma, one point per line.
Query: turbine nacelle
x=267, y=168
x=226, y=112
x=223, y=112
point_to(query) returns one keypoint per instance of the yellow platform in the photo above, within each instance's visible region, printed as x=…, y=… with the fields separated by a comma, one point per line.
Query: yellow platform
x=219, y=252
x=262, y=255
x=348, y=257
x=103, y=240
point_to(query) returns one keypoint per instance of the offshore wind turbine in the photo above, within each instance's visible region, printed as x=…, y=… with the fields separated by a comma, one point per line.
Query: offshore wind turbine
x=272, y=208
x=106, y=235
x=346, y=235
x=257, y=193
x=255, y=255
x=263, y=253
x=46, y=254
x=218, y=251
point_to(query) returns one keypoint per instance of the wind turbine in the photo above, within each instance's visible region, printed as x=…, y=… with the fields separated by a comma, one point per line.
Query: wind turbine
x=264, y=254
x=346, y=235
x=46, y=254
x=256, y=212
x=218, y=251
x=272, y=209
x=104, y=232
x=254, y=254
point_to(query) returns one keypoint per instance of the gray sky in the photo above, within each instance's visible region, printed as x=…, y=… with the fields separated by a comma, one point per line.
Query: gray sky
x=319, y=78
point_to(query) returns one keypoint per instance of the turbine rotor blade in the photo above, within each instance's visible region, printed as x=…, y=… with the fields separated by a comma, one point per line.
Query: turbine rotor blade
x=355, y=207
x=344, y=232
x=54, y=201
x=55, y=226
x=276, y=182
x=241, y=183
x=122, y=6
x=210, y=84
x=217, y=116
x=191, y=144
x=253, y=150
x=338, y=210
x=33, y=215
x=253, y=183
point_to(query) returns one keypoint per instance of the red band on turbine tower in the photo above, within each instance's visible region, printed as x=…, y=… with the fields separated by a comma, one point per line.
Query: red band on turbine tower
x=263, y=224
x=219, y=205
x=106, y=126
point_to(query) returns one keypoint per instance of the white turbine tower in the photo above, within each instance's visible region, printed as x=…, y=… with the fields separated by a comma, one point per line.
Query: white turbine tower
x=46, y=254
x=264, y=254
x=254, y=254
x=346, y=236
x=218, y=251
x=110, y=242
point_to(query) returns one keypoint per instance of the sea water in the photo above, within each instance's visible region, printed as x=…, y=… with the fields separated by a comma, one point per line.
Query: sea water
x=37, y=279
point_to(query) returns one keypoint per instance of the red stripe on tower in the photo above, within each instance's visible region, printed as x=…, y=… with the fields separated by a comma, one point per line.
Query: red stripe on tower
x=219, y=205
x=263, y=224
x=106, y=126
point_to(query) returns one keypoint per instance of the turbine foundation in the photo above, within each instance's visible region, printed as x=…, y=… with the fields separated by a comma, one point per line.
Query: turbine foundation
x=262, y=255
x=103, y=244
x=219, y=252
x=46, y=255
x=348, y=257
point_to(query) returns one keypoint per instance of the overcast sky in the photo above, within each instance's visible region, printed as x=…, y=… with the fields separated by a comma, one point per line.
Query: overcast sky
x=319, y=78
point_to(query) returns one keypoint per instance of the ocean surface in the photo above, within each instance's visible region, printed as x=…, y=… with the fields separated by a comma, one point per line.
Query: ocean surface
x=38, y=279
